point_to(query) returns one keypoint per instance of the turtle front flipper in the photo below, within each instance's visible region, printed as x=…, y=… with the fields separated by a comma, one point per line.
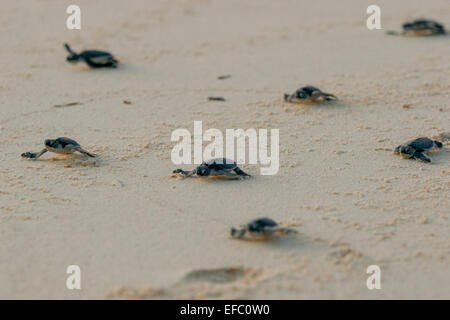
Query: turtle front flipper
x=73, y=56
x=184, y=173
x=240, y=172
x=237, y=233
x=421, y=156
x=33, y=155
x=406, y=151
x=66, y=45
x=287, y=97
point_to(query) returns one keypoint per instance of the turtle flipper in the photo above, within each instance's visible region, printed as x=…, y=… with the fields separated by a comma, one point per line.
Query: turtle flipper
x=237, y=233
x=316, y=95
x=283, y=230
x=406, y=151
x=329, y=97
x=184, y=173
x=114, y=63
x=287, y=97
x=421, y=156
x=226, y=173
x=33, y=155
x=81, y=150
x=240, y=172
x=69, y=49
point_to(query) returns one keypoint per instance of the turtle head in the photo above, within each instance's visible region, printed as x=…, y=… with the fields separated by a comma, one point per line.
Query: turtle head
x=203, y=170
x=407, y=150
x=438, y=144
x=407, y=25
x=300, y=94
x=73, y=58
x=237, y=233
x=49, y=143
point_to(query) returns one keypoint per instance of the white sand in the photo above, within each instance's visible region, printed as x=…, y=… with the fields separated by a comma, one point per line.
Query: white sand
x=135, y=233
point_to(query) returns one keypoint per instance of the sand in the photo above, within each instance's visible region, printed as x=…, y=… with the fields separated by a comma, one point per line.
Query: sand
x=136, y=233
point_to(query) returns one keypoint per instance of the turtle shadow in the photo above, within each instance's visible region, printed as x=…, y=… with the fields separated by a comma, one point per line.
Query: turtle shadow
x=328, y=105
x=289, y=242
x=212, y=179
x=121, y=68
x=398, y=34
x=431, y=37
x=440, y=156
x=72, y=160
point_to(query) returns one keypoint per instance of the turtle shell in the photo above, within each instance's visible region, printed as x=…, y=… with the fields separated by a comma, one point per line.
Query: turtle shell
x=423, y=24
x=309, y=89
x=421, y=144
x=63, y=141
x=94, y=54
x=220, y=163
x=260, y=224
x=97, y=57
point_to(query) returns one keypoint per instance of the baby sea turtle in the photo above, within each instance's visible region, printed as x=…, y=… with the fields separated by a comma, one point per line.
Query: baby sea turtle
x=60, y=145
x=216, y=167
x=308, y=94
x=421, y=27
x=259, y=229
x=93, y=58
x=415, y=148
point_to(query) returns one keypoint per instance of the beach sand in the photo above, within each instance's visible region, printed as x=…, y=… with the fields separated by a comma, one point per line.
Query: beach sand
x=138, y=234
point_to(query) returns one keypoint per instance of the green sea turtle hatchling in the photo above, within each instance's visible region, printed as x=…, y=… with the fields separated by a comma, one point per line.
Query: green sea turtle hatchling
x=259, y=229
x=60, y=145
x=308, y=94
x=420, y=27
x=415, y=149
x=218, y=167
x=93, y=58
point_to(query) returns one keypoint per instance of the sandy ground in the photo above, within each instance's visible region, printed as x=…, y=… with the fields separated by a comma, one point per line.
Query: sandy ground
x=136, y=233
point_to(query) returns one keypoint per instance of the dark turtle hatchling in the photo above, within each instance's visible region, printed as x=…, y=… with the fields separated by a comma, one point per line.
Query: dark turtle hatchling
x=308, y=94
x=260, y=229
x=93, y=58
x=216, y=167
x=420, y=27
x=60, y=145
x=415, y=149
